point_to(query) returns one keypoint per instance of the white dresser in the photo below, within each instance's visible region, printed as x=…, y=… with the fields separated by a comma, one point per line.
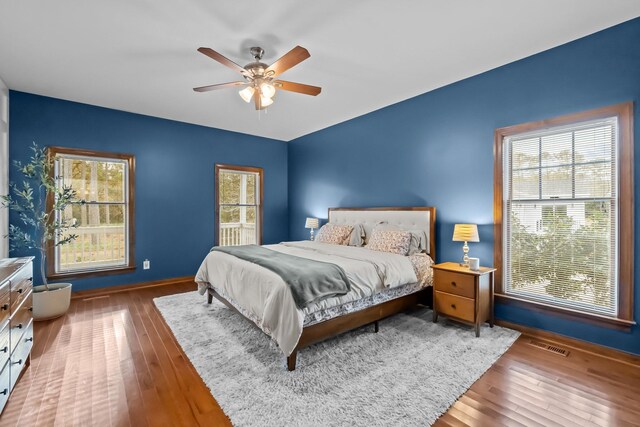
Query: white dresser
x=16, y=322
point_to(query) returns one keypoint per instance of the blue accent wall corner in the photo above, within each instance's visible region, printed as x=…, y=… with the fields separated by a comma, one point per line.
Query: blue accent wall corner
x=437, y=150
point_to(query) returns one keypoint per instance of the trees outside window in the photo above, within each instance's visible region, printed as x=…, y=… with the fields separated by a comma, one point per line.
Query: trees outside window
x=103, y=213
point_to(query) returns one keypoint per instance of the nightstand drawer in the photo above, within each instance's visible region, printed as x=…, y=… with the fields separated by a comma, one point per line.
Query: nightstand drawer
x=454, y=283
x=455, y=306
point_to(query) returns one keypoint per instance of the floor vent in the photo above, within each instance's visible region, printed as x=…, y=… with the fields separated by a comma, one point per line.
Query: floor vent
x=551, y=348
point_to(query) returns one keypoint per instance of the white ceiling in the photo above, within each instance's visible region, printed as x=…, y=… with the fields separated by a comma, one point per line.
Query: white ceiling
x=140, y=55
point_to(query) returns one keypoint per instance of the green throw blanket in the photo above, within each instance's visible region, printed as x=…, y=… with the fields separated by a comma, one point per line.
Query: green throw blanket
x=308, y=280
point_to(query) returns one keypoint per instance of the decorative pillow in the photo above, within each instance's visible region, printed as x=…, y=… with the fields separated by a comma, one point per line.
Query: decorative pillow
x=334, y=234
x=357, y=236
x=419, y=241
x=392, y=241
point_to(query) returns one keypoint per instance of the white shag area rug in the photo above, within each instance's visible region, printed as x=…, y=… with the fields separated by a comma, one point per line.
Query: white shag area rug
x=407, y=374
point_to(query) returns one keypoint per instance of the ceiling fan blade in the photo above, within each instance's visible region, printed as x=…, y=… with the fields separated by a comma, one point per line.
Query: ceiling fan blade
x=220, y=86
x=298, y=87
x=288, y=60
x=223, y=60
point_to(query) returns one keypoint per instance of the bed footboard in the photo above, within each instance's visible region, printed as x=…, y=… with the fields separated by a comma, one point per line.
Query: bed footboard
x=341, y=324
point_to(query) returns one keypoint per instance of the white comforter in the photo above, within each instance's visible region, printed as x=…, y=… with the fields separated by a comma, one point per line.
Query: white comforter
x=265, y=297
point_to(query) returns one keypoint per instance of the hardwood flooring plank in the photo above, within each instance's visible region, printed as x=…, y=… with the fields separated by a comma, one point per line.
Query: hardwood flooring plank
x=185, y=374
x=448, y=420
x=153, y=408
x=161, y=367
x=472, y=398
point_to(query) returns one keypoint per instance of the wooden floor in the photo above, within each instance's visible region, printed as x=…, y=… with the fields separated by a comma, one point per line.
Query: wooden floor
x=113, y=361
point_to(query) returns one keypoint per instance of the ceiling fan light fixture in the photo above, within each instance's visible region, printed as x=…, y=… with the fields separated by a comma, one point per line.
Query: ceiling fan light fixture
x=265, y=102
x=247, y=93
x=267, y=90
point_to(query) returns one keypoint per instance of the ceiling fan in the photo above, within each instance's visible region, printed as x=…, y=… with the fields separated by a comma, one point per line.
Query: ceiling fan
x=260, y=80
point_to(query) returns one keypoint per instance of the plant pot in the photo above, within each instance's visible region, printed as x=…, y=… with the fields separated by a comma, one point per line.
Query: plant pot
x=52, y=303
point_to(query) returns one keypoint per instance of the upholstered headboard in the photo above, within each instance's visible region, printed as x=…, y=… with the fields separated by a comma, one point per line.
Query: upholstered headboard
x=414, y=218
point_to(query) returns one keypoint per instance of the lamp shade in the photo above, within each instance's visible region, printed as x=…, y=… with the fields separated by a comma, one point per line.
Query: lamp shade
x=311, y=223
x=466, y=233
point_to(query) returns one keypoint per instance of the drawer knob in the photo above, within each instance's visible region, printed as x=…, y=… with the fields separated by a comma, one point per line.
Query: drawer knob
x=19, y=362
x=453, y=284
x=19, y=326
x=30, y=279
x=5, y=349
x=5, y=306
x=453, y=306
x=30, y=308
x=20, y=291
x=29, y=339
x=5, y=391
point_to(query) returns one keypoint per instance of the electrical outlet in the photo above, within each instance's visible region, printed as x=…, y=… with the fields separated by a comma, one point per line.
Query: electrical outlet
x=146, y=264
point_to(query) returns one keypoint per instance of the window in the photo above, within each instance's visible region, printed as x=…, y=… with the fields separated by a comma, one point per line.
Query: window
x=238, y=205
x=564, y=230
x=104, y=212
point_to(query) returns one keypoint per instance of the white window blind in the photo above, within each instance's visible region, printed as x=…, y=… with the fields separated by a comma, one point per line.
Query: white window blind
x=560, y=216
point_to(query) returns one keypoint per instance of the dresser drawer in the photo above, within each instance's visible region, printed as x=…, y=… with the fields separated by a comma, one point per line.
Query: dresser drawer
x=455, y=306
x=19, y=289
x=5, y=301
x=5, y=347
x=20, y=355
x=25, y=274
x=20, y=320
x=454, y=283
x=5, y=384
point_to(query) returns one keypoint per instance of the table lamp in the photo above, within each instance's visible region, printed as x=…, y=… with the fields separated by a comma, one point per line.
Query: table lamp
x=311, y=223
x=465, y=233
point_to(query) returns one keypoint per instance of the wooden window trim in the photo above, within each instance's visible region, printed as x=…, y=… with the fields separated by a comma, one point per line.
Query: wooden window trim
x=259, y=171
x=131, y=265
x=624, y=113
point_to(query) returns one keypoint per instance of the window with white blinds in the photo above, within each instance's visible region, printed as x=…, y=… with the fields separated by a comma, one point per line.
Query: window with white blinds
x=560, y=220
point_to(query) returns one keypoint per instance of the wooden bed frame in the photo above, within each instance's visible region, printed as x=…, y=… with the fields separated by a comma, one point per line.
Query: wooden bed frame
x=371, y=315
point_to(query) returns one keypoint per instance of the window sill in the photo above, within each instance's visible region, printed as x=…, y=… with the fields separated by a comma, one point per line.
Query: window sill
x=90, y=273
x=595, y=319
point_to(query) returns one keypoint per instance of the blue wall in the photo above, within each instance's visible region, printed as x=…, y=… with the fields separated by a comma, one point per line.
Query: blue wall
x=437, y=150
x=174, y=176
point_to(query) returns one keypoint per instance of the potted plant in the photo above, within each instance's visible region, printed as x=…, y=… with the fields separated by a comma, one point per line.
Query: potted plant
x=36, y=226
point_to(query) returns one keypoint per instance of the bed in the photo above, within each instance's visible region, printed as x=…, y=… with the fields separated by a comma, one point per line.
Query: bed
x=382, y=284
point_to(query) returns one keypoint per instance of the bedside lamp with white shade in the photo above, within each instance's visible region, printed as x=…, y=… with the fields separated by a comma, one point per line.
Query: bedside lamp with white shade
x=465, y=233
x=311, y=223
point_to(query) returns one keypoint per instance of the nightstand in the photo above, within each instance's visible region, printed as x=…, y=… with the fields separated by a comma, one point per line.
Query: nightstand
x=463, y=294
